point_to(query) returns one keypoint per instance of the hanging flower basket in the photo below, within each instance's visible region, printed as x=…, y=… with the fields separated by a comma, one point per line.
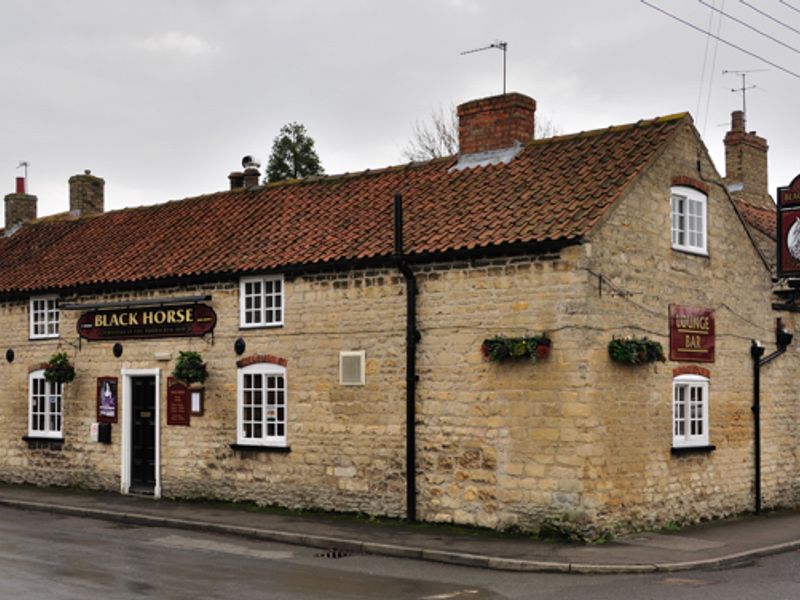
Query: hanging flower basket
x=635, y=351
x=502, y=348
x=190, y=368
x=59, y=369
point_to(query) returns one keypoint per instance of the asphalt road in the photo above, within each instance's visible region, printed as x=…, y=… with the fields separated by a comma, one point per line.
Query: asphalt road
x=53, y=557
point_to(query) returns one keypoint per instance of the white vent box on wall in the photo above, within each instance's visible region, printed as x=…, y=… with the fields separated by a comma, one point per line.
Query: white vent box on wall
x=351, y=367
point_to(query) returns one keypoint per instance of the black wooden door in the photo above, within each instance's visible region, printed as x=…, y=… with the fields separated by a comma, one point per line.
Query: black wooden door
x=143, y=434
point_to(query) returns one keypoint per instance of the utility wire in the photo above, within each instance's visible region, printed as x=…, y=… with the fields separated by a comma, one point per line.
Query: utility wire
x=705, y=61
x=750, y=27
x=794, y=8
x=770, y=17
x=724, y=41
x=713, y=71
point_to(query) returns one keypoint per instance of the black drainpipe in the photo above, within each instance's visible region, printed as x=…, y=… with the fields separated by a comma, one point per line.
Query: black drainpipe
x=412, y=337
x=783, y=339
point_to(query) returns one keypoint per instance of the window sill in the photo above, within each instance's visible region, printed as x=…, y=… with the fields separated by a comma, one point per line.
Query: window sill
x=261, y=326
x=680, y=451
x=255, y=448
x=43, y=443
x=691, y=252
x=39, y=338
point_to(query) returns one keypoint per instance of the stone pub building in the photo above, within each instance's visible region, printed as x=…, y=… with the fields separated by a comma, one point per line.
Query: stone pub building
x=370, y=337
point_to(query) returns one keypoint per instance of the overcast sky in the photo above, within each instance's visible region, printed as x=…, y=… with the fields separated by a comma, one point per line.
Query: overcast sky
x=162, y=99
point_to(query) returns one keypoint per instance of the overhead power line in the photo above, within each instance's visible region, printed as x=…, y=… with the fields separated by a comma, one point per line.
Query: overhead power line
x=750, y=27
x=794, y=8
x=724, y=41
x=770, y=17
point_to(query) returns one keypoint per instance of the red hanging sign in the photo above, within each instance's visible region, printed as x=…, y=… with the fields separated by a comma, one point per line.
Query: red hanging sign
x=789, y=229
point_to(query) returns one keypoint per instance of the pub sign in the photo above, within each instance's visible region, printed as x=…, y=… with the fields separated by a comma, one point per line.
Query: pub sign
x=691, y=333
x=182, y=320
x=789, y=229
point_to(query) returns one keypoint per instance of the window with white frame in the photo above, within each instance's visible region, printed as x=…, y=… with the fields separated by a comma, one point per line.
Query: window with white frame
x=689, y=411
x=261, y=301
x=261, y=405
x=45, y=407
x=689, y=223
x=44, y=317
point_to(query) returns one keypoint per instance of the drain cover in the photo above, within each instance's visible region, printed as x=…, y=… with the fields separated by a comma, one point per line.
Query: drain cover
x=333, y=553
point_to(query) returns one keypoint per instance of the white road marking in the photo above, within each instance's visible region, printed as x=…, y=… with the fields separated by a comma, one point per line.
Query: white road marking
x=188, y=543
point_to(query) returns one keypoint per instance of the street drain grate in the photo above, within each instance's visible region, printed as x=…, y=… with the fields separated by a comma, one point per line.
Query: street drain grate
x=333, y=553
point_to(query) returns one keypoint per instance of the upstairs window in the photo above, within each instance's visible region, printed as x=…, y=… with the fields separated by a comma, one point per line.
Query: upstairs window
x=688, y=208
x=44, y=317
x=689, y=411
x=45, y=407
x=261, y=301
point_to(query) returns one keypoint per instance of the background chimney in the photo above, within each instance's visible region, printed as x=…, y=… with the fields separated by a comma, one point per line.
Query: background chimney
x=746, y=163
x=20, y=207
x=86, y=196
x=237, y=180
x=495, y=123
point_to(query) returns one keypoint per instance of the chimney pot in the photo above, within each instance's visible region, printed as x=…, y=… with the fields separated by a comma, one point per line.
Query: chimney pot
x=20, y=185
x=86, y=194
x=737, y=121
x=495, y=123
x=251, y=176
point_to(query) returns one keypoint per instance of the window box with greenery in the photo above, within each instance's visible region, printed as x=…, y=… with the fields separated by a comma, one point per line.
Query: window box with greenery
x=190, y=368
x=635, y=350
x=502, y=348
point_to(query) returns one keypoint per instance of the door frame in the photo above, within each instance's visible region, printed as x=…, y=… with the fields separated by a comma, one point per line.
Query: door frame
x=127, y=403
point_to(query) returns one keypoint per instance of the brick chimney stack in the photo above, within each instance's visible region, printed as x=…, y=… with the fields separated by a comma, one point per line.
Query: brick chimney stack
x=495, y=123
x=20, y=207
x=86, y=195
x=746, y=163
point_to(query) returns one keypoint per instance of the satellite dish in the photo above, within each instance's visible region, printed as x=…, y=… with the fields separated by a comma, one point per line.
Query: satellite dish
x=250, y=161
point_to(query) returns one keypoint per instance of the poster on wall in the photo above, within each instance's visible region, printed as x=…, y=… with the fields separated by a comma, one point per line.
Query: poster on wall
x=107, y=399
x=178, y=403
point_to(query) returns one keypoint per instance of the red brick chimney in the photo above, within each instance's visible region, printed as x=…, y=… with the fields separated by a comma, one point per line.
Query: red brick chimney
x=86, y=195
x=20, y=207
x=746, y=163
x=495, y=123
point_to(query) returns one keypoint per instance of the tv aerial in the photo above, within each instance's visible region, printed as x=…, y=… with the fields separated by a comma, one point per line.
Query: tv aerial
x=745, y=87
x=499, y=46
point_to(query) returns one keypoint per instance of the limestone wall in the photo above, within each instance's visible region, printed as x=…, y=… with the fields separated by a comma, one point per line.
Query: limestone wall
x=639, y=483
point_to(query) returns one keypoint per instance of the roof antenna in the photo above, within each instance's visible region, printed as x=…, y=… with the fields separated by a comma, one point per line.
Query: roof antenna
x=744, y=88
x=500, y=46
x=24, y=164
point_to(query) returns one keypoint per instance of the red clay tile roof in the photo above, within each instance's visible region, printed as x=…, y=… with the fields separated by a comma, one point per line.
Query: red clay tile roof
x=555, y=189
x=759, y=218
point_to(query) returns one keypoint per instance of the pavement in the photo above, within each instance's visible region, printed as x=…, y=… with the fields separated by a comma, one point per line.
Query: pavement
x=716, y=544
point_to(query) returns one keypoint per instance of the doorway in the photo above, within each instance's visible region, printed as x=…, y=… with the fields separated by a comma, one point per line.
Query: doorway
x=143, y=435
x=140, y=432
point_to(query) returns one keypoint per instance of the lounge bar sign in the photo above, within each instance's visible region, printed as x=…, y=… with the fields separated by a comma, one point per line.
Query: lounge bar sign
x=789, y=229
x=691, y=333
x=184, y=320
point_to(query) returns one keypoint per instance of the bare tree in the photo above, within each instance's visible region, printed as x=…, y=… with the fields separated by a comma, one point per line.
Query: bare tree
x=438, y=136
